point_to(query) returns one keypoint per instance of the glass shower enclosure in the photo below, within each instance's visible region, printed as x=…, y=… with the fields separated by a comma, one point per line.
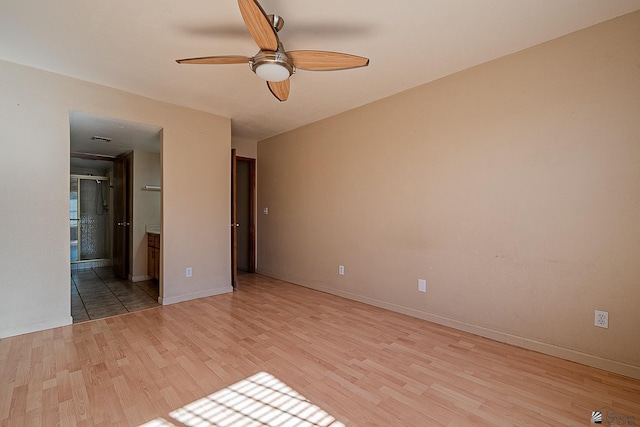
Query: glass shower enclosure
x=89, y=218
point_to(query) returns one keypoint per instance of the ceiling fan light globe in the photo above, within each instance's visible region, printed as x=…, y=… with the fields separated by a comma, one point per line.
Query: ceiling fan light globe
x=272, y=72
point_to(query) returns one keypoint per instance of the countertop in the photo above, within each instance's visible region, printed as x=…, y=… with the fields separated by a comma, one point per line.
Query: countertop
x=153, y=229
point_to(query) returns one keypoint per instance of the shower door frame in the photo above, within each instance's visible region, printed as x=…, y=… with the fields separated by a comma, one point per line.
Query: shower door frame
x=80, y=178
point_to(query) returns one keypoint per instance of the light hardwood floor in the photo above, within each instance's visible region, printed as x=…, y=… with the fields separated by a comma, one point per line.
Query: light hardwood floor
x=359, y=364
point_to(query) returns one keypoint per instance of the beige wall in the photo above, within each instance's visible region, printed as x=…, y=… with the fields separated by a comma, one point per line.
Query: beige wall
x=245, y=147
x=34, y=235
x=513, y=188
x=146, y=209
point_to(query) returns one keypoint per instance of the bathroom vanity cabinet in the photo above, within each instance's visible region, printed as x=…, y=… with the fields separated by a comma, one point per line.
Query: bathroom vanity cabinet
x=153, y=255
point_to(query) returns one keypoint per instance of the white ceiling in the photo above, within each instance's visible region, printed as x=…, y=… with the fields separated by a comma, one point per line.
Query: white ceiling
x=124, y=136
x=132, y=45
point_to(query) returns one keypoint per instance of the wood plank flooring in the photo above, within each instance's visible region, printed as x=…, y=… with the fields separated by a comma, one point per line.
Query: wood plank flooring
x=359, y=364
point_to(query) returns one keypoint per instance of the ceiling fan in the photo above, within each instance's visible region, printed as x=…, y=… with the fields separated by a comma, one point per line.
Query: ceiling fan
x=273, y=63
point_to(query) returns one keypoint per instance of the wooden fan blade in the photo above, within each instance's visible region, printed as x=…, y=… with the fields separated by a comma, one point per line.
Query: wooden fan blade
x=230, y=59
x=258, y=25
x=317, y=60
x=280, y=89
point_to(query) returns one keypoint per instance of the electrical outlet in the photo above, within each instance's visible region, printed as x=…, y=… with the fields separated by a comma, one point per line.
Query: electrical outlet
x=422, y=285
x=341, y=270
x=265, y=211
x=602, y=319
x=189, y=272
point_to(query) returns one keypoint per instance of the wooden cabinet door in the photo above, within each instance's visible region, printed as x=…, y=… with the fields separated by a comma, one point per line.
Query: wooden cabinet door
x=156, y=262
x=150, y=261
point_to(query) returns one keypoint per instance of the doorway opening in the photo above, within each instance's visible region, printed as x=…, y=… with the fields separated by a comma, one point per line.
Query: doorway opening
x=115, y=176
x=243, y=215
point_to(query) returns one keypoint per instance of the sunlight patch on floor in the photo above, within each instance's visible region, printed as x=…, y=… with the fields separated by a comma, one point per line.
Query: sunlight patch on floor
x=260, y=400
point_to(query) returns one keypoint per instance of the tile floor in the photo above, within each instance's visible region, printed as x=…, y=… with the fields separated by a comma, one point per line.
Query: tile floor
x=97, y=293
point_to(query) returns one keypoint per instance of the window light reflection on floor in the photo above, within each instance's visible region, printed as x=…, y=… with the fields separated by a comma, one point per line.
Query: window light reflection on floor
x=260, y=400
x=158, y=422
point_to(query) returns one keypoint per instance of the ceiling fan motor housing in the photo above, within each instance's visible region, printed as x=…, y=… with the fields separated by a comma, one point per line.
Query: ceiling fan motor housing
x=272, y=66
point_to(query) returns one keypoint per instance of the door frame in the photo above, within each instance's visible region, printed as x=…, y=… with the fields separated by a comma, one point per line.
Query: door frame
x=252, y=215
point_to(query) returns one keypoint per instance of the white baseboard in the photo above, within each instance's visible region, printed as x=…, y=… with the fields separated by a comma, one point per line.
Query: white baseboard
x=529, y=344
x=195, y=295
x=35, y=327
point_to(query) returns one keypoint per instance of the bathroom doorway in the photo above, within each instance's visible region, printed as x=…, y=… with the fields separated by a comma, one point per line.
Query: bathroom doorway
x=108, y=244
